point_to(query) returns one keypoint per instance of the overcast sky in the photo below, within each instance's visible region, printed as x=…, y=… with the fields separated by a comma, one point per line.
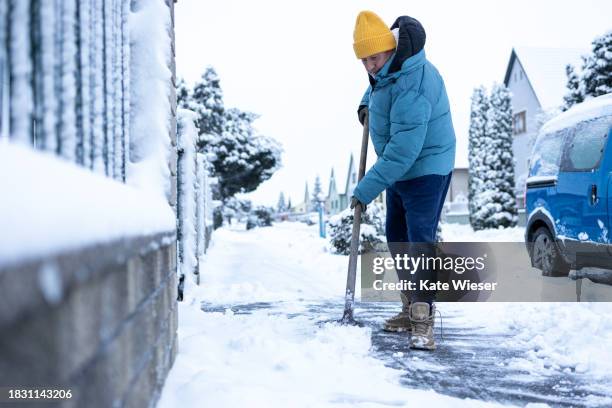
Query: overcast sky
x=293, y=63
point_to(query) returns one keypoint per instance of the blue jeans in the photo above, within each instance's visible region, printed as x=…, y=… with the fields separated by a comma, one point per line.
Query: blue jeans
x=413, y=213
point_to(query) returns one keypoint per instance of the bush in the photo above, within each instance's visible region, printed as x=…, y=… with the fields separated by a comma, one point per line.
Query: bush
x=217, y=217
x=372, y=229
x=259, y=217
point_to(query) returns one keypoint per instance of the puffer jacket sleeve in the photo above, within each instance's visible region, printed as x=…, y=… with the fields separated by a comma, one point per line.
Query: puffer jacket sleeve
x=410, y=113
x=366, y=99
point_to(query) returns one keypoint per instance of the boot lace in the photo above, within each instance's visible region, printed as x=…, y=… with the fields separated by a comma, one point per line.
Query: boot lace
x=420, y=327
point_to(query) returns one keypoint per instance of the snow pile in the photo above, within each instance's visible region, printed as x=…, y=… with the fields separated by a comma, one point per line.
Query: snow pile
x=567, y=337
x=49, y=205
x=150, y=145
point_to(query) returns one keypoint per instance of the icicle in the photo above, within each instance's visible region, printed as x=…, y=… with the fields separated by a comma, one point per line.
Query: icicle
x=97, y=89
x=21, y=93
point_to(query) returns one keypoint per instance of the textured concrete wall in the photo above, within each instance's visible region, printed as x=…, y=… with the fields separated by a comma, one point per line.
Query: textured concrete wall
x=100, y=321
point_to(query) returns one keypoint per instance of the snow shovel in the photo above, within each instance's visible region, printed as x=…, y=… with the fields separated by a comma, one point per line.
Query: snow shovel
x=349, y=297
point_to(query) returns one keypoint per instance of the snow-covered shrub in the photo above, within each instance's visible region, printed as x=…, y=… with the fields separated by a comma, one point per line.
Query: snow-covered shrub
x=217, y=217
x=371, y=232
x=259, y=217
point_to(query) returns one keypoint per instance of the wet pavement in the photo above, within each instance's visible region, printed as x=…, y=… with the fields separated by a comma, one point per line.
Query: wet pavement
x=466, y=363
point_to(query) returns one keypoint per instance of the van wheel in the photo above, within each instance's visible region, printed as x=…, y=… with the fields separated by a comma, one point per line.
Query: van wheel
x=545, y=254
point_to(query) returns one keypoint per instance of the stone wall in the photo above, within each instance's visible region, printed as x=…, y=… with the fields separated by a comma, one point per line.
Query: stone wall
x=100, y=321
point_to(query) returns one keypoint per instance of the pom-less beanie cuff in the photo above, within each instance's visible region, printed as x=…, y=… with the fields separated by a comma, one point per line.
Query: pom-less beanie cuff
x=374, y=45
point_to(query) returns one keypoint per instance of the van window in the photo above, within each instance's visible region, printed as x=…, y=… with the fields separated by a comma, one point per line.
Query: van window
x=546, y=153
x=586, y=146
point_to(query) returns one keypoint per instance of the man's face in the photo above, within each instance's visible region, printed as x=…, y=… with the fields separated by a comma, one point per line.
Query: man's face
x=375, y=62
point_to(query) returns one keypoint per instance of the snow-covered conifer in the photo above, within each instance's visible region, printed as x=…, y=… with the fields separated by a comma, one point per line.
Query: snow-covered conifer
x=496, y=203
x=597, y=70
x=477, y=132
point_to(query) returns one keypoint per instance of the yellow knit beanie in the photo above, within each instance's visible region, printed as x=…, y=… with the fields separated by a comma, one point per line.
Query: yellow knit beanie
x=371, y=35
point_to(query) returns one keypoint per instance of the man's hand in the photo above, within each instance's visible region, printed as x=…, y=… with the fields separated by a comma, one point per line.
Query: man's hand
x=361, y=113
x=355, y=202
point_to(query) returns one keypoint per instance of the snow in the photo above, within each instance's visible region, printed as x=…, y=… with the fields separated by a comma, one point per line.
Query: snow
x=590, y=109
x=286, y=356
x=545, y=68
x=96, y=90
x=570, y=337
x=464, y=233
x=49, y=205
x=272, y=359
x=541, y=179
x=45, y=109
x=150, y=145
x=21, y=96
x=67, y=81
x=186, y=139
x=84, y=88
x=125, y=84
x=548, y=215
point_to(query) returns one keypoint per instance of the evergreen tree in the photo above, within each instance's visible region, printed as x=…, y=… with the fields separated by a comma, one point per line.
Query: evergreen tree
x=595, y=78
x=496, y=202
x=240, y=159
x=597, y=71
x=575, y=93
x=289, y=204
x=477, y=132
x=316, y=193
x=183, y=95
x=281, y=206
x=207, y=102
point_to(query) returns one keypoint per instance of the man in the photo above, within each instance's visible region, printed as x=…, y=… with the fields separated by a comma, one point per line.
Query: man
x=412, y=132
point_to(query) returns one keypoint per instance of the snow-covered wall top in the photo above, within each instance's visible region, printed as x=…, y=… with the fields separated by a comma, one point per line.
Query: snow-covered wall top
x=49, y=205
x=590, y=109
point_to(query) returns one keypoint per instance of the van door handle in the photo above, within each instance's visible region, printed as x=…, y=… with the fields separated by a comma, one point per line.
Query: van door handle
x=593, y=194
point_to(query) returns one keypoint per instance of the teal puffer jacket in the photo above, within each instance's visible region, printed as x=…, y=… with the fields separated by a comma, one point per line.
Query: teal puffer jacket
x=409, y=120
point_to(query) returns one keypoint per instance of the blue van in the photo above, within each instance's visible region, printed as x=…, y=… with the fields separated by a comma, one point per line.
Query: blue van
x=569, y=190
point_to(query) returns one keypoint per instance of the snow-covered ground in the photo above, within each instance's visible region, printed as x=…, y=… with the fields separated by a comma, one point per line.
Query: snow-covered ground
x=260, y=331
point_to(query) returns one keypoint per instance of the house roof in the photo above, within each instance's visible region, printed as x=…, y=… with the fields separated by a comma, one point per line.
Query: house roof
x=545, y=70
x=348, y=174
x=332, y=183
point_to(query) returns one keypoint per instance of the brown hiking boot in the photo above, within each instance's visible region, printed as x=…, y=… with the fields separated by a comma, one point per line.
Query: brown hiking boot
x=422, y=322
x=401, y=321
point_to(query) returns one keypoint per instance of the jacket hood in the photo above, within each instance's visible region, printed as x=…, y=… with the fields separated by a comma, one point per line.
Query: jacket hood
x=411, y=40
